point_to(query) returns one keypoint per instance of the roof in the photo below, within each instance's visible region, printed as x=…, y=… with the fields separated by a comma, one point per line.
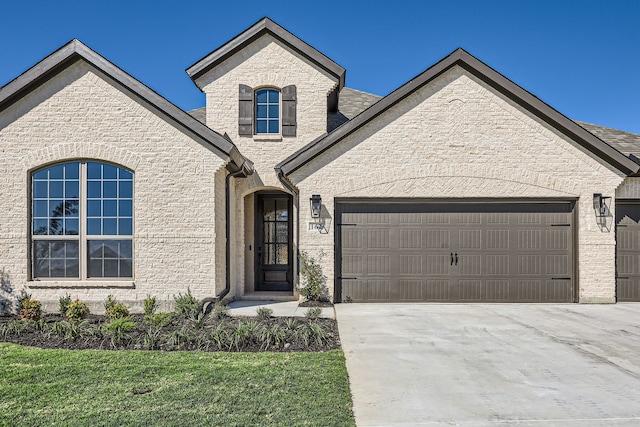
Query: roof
x=488, y=75
x=625, y=142
x=257, y=30
x=351, y=103
x=74, y=51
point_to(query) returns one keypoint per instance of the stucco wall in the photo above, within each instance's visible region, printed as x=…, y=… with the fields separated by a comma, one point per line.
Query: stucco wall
x=79, y=114
x=456, y=138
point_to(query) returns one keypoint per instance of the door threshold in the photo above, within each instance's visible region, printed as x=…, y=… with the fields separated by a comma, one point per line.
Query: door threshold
x=269, y=296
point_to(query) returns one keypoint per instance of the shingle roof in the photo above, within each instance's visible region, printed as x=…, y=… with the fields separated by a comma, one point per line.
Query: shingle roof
x=351, y=103
x=625, y=142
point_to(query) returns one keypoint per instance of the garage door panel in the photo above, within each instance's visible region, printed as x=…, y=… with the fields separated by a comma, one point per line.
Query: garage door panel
x=628, y=251
x=493, y=252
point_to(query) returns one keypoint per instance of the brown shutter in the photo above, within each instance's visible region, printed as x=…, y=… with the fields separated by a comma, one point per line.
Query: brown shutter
x=245, y=110
x=289, y=100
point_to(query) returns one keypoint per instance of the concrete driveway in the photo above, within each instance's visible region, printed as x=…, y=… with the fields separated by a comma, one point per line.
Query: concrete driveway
x=480, y=364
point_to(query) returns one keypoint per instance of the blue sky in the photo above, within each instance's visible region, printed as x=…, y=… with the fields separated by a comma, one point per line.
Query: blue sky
x=581, y=57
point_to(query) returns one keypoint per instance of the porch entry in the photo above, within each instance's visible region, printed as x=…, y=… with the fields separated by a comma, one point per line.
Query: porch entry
x=273, y=242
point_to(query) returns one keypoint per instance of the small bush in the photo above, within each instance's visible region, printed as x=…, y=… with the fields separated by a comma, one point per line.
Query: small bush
x=313, y=313
x=76, y=311
x=118, y=330
x=115, y=309
x=150, y=305
x=70, y=330
x=64, y=301
x=314, y=286
x=187, y=305
x=159, y=320
x=30, y=309
x=220, y=311
x=264, y=313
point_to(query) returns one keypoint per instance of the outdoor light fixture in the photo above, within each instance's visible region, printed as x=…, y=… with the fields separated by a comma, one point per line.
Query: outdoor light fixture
x=316, y=205
x=601, y=205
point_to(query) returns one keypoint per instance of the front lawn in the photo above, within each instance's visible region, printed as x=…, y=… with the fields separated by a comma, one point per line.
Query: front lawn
x=116, y=388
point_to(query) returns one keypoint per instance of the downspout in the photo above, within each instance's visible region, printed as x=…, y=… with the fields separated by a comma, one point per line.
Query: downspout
x=296, y=200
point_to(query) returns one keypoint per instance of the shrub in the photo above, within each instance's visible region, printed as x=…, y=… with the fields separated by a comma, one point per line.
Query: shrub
x=220, y=311
x=76, y=311
x=65, y=301
x=115, y=309
x=313, y=313
x=70, y=330
x=159, y=320
x=264, y=313
x=118, y=330
x=314, y=286
x=187, y=305
x=30, y=309
x=150, y=305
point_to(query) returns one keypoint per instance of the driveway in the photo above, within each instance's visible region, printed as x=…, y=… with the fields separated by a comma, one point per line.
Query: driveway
x=481, y=364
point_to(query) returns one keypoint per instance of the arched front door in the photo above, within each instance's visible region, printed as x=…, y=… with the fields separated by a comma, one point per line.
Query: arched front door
x=273, y=242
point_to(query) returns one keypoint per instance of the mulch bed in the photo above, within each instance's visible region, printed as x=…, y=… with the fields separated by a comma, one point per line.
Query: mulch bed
x=135, y=339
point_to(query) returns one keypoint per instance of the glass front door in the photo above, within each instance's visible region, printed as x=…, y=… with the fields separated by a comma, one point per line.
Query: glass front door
x=274, y=258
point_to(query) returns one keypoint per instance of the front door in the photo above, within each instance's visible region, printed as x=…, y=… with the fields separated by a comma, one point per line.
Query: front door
x=273, y=255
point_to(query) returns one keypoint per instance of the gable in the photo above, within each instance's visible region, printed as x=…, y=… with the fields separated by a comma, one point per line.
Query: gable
x=75, y=60
x=495, y=82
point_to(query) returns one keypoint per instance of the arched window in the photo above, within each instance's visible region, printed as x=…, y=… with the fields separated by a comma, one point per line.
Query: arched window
x=268, y=111
x=82, y=221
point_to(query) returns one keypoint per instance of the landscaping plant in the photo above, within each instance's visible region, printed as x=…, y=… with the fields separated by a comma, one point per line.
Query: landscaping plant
x=313, y=286
x=77, y=311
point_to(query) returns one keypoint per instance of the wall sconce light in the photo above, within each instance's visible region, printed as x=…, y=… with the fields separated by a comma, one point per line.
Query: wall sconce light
x=316, y=205
x=601, y=205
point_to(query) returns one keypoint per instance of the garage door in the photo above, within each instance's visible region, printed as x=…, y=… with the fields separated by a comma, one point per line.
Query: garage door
x=476, y=252
x=628, y=251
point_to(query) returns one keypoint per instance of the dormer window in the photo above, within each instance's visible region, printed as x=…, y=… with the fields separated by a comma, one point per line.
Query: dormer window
x=268, y=111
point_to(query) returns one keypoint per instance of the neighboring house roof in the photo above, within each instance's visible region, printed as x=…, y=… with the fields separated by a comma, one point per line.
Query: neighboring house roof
x=491, y=77
x=257, y=30
x=75, y=51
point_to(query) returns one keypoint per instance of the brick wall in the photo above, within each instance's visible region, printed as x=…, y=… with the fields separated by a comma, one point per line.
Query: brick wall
x=177, y=188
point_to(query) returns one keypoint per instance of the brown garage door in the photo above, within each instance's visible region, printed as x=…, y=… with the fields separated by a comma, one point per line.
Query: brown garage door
x=476, y=252
x=628, y=251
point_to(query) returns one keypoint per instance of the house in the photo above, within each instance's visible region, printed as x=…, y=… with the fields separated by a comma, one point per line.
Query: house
x=458, y=186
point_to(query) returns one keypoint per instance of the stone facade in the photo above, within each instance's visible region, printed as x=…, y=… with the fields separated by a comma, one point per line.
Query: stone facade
x=456, y=138
x=81, y=114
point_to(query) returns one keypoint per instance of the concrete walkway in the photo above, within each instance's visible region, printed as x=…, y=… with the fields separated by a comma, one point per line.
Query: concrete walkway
x=280, y=309
x=479, y=365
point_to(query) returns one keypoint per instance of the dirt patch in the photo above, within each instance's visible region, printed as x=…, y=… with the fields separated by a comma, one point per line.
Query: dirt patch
x=250, y=334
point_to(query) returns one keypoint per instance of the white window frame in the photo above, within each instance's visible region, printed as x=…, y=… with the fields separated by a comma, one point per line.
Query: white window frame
x=255, y=112
x=82, y=237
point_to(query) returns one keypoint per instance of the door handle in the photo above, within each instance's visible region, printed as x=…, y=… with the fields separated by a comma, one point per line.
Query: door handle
x=456, y=258
x=451, y=258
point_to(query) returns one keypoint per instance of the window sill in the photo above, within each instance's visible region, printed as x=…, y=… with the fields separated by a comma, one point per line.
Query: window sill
x=130, y=284
x=267, y=137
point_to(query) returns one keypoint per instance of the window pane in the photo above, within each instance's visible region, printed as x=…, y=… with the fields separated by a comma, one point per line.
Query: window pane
x=110, y=226
x=71, y=189
x=261, y=126
x=56, y=226
x=124, y=174
x=94, y=208
x=40, y=227
x=94, y=170
x=273, y=126
x=274, y=96
x=282, y=232
x=109, y=172
x=94, y=189
x=125, y=226
x=261, y=111
x=43, y=174
x=71, y=227
x=126, y=189
x=40, y=208
x=269, y=210
x=274, y=111
x=56, y=172
x=71, y=208
x=110, y=208
x=282, y=254
x=72, y=171
x=55, y=258
x=40, y=189
x=110, y=258
x=110, y=189
x=261, y=96
x=94, y=226
x=56, y=189
x=125, y=208
x=56, y=208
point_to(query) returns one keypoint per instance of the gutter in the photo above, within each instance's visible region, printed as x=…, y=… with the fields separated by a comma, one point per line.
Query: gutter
x=243, y=171
x=296, y=197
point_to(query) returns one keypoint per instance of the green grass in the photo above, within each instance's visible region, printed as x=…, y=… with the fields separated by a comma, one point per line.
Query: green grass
x=116, y=388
